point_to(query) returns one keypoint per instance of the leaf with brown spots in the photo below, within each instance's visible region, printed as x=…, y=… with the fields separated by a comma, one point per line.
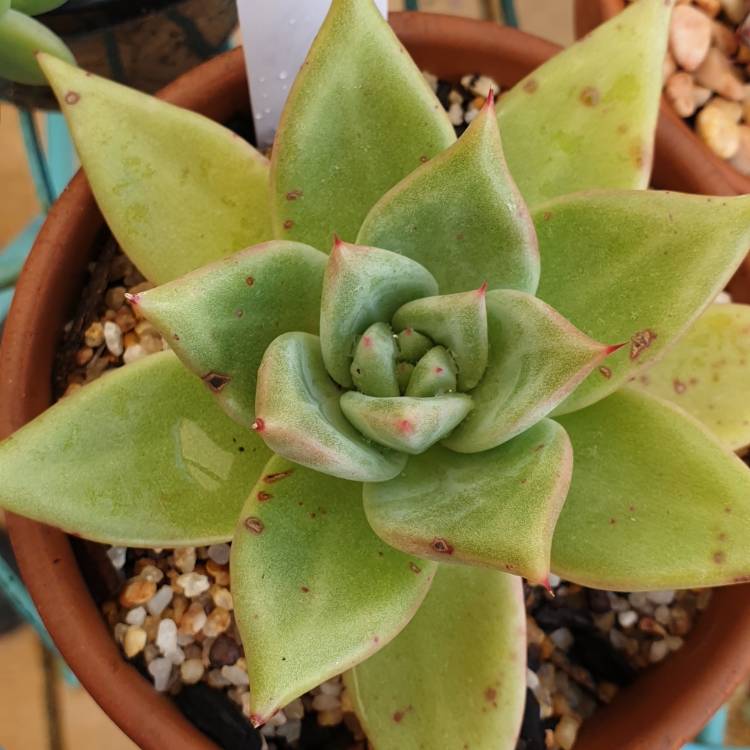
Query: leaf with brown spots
x=456, y=676
x=315, y=591
x=656, y=502
x=707, y=373
x=177, y=468
x=177, y=189
x=359, y=118
x=636, y=267
x=586, y=119
x=496, y=508
x=199, y=313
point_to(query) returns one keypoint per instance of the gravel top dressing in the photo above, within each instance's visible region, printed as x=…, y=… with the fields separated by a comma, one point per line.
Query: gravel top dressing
x=172, y=611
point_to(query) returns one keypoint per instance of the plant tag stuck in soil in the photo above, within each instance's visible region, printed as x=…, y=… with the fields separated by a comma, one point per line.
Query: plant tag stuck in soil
x=276, y=37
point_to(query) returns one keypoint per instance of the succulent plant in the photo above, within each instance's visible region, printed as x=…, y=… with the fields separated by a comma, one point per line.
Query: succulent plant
x=430, y=369
x=22, y=37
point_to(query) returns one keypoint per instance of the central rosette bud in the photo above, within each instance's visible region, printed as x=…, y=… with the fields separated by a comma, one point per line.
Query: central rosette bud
x=390, y=374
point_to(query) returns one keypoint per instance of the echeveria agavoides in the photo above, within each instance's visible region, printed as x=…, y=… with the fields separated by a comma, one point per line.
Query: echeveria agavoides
x=408, y=323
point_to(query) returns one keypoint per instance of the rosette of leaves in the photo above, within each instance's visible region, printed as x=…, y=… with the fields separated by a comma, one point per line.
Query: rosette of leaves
x=414, y=386
x=22, y=36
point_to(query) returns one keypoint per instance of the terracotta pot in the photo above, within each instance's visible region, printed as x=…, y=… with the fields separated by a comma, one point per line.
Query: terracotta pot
x=588, y=15
x=666, y=705
x=143, y=43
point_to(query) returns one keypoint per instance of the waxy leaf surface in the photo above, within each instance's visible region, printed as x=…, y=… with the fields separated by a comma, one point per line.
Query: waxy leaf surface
x=315, y=591
x=656, y=502
x=586, y=119
x=221, y=318
x=458, y=322
x=497, y=508
x=360, y=117
x=299, y=416
x=177, y=189
x=374, y=366
x=707, y=374
x=21, y=37
x=362, y=286
x=636, y=267
x=536, y=359
x=141, y=457
x=456, y=677
x=461, y=216
x=404, y=423
x=434, y=374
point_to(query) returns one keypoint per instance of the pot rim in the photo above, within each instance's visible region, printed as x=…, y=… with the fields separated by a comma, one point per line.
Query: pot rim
x=644, y=716
x=588, y=15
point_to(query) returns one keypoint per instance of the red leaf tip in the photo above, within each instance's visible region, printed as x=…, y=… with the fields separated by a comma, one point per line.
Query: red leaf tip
x=489, y=103
x=258, y=425
x=134, y=299
x=612, y=348
x=483, y=289
x=337, y=241
x=257, y=721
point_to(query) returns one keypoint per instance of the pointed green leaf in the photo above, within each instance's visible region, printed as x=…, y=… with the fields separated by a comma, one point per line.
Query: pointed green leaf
x=656, y=502
x=405, y=424
x=221, y=318
x=461, y=216
x=456, y=677
x=299, y=415
x=374, y=366
x=497, y=508
x=360, y=117
x=362, y=286
x=536, y=359
x=586, y=119
x=458, y=322
x=706, y=373
x=141, y=457
x=315, y=591
x=412, y=345
x=434, y=374
x=177, y=189
x=638, y=266
x=21, y=37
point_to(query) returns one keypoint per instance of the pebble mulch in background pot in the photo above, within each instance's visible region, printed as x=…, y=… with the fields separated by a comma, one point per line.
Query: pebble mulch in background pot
x=171, y=611
x=706, y=74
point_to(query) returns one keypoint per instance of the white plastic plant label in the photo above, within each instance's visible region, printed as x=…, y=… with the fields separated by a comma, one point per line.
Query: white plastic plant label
x=276, y=35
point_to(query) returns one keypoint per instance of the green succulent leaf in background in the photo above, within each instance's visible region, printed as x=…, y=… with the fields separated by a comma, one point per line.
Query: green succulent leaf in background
x=446, y=392
x=21, y=38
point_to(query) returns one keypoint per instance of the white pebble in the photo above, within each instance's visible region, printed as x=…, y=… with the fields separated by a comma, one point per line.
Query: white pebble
x=689, y=36
x=161, y=671
x=661, y=597
x=113, y=338
x=193, y=584
x=166, y=636
x=638, y=600
x=483, y=85
x=235, y=675
x=628, y=618
x=133, y=353
x=291, y=731
x=184, y=559
x=136, y=616
x=658, y=651
x=323, y=702
x=532, y=681
x=723, y=298
x=331, y=687
x=562, y=638
x=471, y=114
x=662, y=614
x=718, y=131
x=191, y=671
x=177, y=656
x=219, y=553
x=674, y=642
x=295, y=709
x=456, y=114
x=117, y=557
x=554, y=581
x=160, y=601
